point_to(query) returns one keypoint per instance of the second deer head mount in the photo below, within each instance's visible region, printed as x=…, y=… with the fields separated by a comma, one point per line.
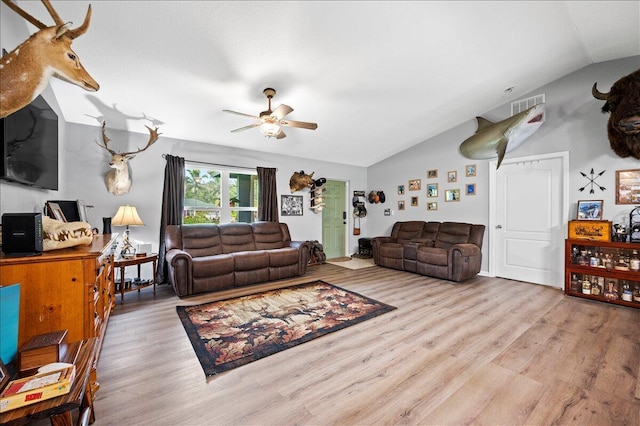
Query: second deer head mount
x=117, y=180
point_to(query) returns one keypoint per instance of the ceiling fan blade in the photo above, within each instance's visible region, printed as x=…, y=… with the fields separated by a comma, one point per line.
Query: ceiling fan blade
x=300, y=124
x=240, y=113
x=250, y=126
x=281, y=135
x=281, y=111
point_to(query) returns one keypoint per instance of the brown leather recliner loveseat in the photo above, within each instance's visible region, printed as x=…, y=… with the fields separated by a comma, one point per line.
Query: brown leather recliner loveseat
x=204, y=258
x=447, y=250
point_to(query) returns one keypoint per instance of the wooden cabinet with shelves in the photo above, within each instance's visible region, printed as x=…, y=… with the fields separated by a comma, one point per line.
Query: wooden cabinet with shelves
x=603, y=271
x=69, y=289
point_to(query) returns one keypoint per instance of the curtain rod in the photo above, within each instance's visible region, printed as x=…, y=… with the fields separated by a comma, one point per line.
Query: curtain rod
x=215, y=164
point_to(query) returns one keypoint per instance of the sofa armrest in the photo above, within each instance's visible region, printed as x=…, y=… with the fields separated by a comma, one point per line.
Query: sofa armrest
x=180, y=270
x=376, y=242
x=304, y=250
x=465, y=261
x=464, y=250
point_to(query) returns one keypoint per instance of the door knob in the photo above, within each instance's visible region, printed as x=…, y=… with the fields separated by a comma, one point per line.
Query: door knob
x=499, y=227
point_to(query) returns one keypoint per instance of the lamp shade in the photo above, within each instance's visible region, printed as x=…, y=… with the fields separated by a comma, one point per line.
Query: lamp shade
x=125, y=216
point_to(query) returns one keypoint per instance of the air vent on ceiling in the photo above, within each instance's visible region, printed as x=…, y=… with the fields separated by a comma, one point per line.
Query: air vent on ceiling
x=523, y=104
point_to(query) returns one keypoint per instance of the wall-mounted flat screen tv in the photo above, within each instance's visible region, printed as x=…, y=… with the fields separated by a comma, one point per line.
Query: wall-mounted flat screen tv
x=30, y=146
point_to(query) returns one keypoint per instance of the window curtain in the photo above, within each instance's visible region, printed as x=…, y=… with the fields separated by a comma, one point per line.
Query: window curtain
x=268, y=202
x=172, y=207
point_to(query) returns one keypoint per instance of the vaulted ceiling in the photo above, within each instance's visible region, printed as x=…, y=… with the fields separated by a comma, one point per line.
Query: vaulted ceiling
x=378, y=77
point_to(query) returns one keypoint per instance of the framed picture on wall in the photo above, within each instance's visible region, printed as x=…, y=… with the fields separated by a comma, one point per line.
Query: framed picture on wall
x=415, y=184
x=291, y=205
x=432, y=205
x=471, y=189
x=401, y=205
x=452, y=176
x=414, y=201
x=400, y=189
x=432, y=174
x=452, y=195
x=590, y=210
x=470, y=170
x=628, y=186
x=432, y=190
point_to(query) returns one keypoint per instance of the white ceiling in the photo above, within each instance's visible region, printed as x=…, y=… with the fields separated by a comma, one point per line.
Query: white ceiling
x=378, y=77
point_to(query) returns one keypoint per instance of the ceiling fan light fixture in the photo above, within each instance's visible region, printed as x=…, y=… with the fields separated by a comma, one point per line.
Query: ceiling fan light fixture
x=270, y=129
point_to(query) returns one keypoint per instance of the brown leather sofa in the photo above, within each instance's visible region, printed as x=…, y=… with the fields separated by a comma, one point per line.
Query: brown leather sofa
x=206, y=257
x=447, y=250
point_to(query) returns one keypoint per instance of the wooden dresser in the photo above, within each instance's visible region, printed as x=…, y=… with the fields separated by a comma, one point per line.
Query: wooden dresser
x=69, y=289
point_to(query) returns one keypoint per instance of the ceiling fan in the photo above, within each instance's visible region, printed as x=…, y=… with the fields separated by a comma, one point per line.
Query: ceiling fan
x=271, y=122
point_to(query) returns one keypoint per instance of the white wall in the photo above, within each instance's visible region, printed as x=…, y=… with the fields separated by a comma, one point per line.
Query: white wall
x=573, y=123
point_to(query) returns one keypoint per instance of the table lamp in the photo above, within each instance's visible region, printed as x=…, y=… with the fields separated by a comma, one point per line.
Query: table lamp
x=125, y=216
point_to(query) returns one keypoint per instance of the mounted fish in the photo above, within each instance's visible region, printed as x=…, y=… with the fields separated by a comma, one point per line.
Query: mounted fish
x=493, y=140
x=623, y=102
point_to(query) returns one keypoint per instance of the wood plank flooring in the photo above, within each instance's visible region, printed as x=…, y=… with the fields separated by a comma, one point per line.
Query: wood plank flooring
x=487, y=351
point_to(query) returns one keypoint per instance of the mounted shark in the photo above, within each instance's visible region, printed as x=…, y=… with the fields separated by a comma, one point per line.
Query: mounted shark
x=493, y=140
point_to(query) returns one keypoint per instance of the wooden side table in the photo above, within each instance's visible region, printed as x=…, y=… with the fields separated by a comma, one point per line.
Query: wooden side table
x=123, y=262
x=58, y=409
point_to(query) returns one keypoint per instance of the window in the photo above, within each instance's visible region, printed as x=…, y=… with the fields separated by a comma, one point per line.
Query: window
x=213, y=194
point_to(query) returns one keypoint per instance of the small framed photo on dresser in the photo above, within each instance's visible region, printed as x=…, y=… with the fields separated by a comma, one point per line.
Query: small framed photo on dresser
x=4, y=375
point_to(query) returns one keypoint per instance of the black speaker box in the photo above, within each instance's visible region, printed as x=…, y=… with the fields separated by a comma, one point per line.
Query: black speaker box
x=22, y=233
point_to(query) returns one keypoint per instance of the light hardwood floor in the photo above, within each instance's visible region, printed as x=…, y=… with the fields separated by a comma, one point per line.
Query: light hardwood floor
x=486, y=351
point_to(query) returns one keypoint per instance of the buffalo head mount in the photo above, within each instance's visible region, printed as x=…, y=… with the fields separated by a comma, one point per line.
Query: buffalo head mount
x=300, y=180
x=623, y=103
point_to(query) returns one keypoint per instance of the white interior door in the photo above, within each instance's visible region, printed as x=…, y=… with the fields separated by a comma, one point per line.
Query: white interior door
x=529, y=197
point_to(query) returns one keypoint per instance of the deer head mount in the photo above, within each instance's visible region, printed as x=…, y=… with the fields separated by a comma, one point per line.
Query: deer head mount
x=25, y=71
x=118, y=181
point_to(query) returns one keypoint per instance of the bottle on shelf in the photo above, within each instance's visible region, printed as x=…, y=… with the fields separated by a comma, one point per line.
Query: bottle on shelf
x=576, y=283
x=586, y=285
x=627, y=296
x=583, y=260
x=634, y=263
x=597, y=285
x=612, y=290
x=608, y=261
x=636, y=293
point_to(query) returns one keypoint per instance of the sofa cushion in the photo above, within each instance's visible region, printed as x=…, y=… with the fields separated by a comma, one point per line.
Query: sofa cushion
x=392, y=250
x=201, y=240
x=430, y=231
x=451, y=233
x=267, y=235
x=250, y=260
x=405, y=231
x=283, y=257
x=433, y=256
x=236, y=237
x=212, y=266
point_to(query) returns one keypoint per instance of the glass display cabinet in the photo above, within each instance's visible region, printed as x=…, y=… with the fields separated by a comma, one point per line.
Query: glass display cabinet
x=603, y=271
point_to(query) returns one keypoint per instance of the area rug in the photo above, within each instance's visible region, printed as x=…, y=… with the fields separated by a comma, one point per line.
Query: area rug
x=229, y=333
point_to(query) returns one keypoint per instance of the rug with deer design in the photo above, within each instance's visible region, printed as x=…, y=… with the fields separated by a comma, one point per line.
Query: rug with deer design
x=230, y=333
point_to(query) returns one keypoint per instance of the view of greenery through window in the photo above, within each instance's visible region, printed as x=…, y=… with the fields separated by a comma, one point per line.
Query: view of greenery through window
x=206, y=188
